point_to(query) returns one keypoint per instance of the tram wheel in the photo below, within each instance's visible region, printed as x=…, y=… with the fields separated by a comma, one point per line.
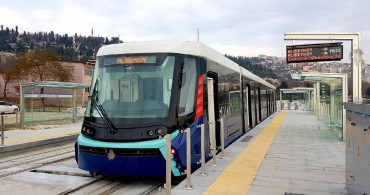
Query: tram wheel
x=93, y=174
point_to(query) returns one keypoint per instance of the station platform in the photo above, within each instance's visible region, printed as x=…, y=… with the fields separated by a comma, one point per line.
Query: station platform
x=42, y=135
x=290, y=152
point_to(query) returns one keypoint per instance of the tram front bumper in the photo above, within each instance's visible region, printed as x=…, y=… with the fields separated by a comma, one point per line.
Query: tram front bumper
x=108, y=164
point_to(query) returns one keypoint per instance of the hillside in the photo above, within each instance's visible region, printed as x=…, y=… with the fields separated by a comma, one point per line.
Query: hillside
x=71, y=48
x=252, y=65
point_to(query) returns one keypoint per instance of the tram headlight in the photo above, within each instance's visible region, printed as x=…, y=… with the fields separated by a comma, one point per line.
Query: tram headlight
x=150, y=133
x=158, y=131
x=88, y=131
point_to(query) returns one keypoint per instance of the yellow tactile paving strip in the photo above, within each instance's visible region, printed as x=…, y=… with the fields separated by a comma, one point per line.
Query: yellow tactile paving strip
x=239, y=175
x=29, y=139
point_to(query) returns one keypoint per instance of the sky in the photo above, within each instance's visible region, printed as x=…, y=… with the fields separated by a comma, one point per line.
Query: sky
x=234, y=27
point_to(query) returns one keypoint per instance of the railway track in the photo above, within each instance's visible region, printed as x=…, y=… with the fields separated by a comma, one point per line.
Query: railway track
x=115, y=185
x=25, y=163
x=58, y=162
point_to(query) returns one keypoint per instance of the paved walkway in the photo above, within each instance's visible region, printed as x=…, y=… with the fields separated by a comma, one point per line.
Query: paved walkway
x=239, y=175
x=303, y=157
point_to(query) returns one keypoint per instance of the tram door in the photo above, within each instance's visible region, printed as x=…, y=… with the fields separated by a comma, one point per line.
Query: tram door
x=268, y=103
x=253, y=106
x=259, y=104
x=213, y=110
x=247, y=108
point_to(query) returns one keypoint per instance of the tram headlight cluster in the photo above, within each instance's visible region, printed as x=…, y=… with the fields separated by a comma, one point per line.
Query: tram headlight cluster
x=152, y=132
x=88, y=131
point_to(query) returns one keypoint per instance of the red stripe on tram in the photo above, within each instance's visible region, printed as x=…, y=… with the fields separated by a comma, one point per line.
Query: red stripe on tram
x=199, y=111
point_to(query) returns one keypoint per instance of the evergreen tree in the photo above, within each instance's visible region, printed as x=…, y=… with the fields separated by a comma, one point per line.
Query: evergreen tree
x=45, y=37
x=14, y=38
x=7, y=32
x=20, y=48
x=39, y=37
x=16, y=31
x=70, y=54
x=52, y=38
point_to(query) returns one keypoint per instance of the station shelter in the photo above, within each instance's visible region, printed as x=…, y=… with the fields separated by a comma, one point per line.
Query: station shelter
x=325, y=99
x=299, y=98
x=51, y=103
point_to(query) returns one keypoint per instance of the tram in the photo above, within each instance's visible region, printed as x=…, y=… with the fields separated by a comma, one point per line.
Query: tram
x=143, y=90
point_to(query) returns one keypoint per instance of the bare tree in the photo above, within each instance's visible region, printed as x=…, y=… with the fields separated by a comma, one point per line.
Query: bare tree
x=9, y=72
x=42, y=65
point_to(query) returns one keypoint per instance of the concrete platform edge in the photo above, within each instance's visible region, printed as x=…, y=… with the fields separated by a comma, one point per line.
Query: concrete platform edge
x=14, y=147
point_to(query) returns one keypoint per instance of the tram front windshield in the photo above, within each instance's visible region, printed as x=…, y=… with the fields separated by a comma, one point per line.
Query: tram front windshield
x=132, y=86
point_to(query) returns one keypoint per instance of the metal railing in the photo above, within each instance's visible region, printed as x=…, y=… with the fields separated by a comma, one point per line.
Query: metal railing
x=188, y=160
x=188, y=154
x=222, y=132
x=168, y=164
x=2, y=128
x=212, y=131
x=202, y=152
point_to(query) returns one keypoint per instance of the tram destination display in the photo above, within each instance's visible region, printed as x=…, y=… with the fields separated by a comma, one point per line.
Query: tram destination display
x=130, y=60
x=314, y=52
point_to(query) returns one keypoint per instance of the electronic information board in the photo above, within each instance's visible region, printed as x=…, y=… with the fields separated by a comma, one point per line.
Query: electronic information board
x=314, y=52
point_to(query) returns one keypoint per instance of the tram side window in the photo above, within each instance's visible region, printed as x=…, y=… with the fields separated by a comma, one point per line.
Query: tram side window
x=246, y=99
x=187, y=91
x=235, y=102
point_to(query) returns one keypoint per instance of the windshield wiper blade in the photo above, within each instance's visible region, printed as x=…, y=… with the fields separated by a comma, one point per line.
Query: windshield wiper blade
x=94, y=100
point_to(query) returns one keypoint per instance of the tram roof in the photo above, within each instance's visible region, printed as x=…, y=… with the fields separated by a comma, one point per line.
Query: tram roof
x=194, y=48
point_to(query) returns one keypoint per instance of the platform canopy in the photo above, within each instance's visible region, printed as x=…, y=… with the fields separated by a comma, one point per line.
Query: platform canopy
x=55, y=84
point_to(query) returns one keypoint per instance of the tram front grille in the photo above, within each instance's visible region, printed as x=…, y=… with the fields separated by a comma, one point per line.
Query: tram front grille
x=120, y=151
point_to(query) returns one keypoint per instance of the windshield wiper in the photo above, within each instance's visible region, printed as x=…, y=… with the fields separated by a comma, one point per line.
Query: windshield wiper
x=95, y=102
